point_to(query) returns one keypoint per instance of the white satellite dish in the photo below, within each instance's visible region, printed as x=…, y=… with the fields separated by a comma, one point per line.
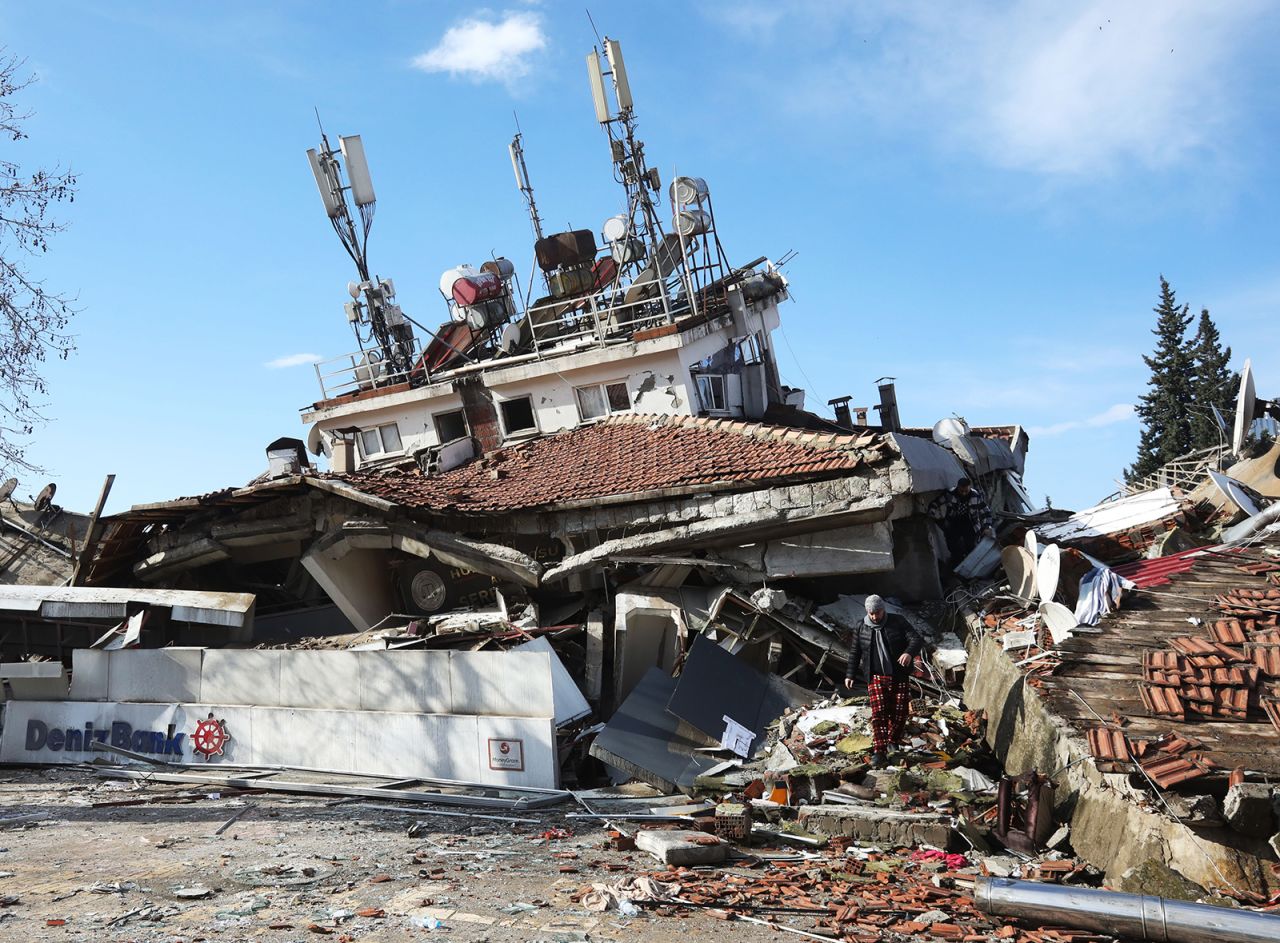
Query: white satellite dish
x=1231, y=488
x=1245, y=404
x=7, y=489
x=946, y=430
x=1047, y=571
x=1032, y=545
x=1021, y=571
x=1060, y=620
x=616, y=228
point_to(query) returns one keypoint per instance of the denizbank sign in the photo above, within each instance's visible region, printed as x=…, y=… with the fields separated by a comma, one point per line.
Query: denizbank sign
x=120, y=734
x=518, y=751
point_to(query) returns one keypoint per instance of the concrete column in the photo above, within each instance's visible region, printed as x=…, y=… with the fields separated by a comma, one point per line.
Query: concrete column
x=358, y=581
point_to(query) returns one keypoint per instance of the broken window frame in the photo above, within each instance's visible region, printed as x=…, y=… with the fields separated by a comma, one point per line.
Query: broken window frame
x=380, y=437
x=610, y=394
x=447, y=415
x=711, y=381
x=522, y=431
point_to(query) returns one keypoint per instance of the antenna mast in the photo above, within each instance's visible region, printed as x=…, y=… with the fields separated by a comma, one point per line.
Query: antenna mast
x=522, y=182
x=389, y=333
x=641, y=183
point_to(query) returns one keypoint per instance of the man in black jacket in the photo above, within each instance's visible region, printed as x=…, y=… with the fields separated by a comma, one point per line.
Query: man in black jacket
x=881, y=651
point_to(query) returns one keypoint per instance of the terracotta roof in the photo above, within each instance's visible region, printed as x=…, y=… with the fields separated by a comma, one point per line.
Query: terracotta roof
x=624, y=455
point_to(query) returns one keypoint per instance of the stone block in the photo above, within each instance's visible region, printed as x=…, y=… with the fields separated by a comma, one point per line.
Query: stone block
x=681, y=847
x=876, y=826
x=1247, y=809
x=1195, y=810
x=53, y=688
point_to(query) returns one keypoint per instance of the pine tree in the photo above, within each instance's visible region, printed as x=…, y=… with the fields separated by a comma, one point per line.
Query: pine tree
x=1212, y=386
x=1165, y=410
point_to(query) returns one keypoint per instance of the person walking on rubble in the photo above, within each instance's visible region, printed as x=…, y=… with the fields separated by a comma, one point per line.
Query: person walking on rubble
x=881, y=651
x=965, y=518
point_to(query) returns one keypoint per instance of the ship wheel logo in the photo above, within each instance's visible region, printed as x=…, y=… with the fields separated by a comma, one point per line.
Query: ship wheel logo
x=210, y=737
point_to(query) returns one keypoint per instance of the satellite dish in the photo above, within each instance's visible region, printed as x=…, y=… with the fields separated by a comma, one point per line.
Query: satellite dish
x=1032, y=545
x=1020, y=568
x=1047, y=571
x=7, y=489
x=45, y=497
x=1060, y=620
x=353, y=289
x=946, y=430
x=1245, y=404
x=1235, y=493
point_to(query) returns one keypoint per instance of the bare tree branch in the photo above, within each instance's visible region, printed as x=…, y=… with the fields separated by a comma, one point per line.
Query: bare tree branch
x=33, y=319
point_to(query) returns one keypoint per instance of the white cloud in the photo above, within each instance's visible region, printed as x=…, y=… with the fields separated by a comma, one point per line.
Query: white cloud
x=291, y=360
x=1120, y=412
x=482, y=48
x=1065, y=90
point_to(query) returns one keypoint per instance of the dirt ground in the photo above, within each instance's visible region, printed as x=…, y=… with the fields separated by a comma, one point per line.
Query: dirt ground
x=301, y=869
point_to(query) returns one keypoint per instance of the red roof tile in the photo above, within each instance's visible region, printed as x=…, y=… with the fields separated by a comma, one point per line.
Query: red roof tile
x=620, y=456
x=1108, y=743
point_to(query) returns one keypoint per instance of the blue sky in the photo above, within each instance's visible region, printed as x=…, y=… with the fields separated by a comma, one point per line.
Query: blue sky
x=982, y=196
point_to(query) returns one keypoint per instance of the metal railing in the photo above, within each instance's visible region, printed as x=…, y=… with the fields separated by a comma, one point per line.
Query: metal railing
x=1186, y=472
x=556, y=327
x=362, y=370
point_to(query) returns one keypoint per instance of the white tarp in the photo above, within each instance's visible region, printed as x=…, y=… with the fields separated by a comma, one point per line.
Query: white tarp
x=1112, y=517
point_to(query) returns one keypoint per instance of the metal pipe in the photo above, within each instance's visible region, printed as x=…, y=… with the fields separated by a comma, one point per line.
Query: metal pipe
x=1252, y=525
x=1127, y=915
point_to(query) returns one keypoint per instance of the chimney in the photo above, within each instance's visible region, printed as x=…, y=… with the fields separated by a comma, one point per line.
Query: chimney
x=888, y=407
x=841, y=406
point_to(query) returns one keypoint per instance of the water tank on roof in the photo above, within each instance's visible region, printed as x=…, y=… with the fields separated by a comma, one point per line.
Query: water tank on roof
x=565, y=249
x=501, y=266
x=686, y=190
x=690, y=223
x=452, y=275
x=473, y=289
x=616, y=228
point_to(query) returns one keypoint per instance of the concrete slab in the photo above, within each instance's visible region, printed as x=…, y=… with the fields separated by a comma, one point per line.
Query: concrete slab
x=405, y=681
x=321, y=680
x=89, y=673
x=513, y=684
x=570, y=705
x=31, y=669
x=160, y=675
x=1247, y=809
x=873, y=825
x=682, y=847
x=55, y=688
x=238, y=677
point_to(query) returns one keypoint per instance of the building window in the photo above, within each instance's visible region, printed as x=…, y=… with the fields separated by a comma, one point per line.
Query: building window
x=711, y=392
x=602, y=399
x=517, y=415
x=381, y=439
x=450, y=426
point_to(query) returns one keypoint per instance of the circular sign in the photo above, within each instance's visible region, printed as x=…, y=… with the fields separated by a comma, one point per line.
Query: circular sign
x=427, y=590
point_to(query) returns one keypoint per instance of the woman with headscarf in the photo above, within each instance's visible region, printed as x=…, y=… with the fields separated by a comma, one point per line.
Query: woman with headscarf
x=881, y=651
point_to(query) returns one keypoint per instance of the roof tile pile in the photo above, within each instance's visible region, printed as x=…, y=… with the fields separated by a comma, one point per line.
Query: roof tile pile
x=625, y=455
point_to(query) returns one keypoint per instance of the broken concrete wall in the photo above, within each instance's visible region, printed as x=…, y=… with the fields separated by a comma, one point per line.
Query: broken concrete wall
x=1112, y=825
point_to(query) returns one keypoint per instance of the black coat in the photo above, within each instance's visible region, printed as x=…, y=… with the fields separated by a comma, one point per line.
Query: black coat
x=899, y=637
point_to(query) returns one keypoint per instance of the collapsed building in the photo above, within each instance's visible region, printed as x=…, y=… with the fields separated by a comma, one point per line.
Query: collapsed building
x=615, y=477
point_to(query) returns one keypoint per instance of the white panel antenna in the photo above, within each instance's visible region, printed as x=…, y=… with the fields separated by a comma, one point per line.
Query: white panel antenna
x=596, y=78
x=1246, y=402
x=325, y=182
x=357, y=170
x=621, y=87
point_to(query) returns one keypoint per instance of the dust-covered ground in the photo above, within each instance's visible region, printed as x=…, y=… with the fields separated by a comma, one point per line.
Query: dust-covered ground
x=302, y=868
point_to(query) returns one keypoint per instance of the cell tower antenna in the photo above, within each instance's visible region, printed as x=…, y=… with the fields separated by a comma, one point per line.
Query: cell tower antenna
x=522, y=180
